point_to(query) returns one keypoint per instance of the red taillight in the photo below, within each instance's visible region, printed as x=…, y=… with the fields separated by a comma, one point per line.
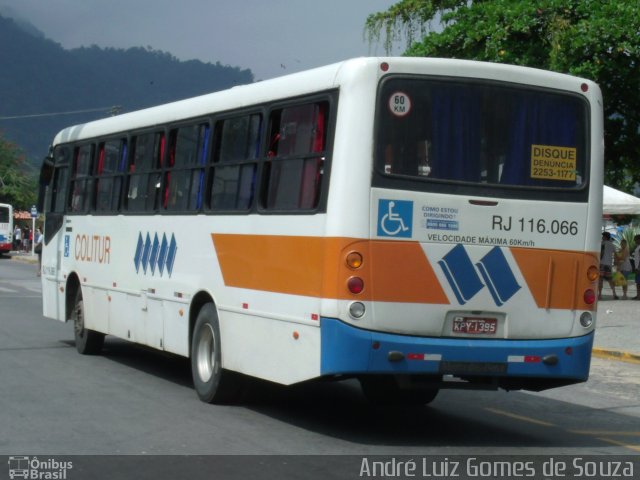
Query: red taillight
x=384, y=66
x=355, y=285
x=584, y=87
x=589, y=297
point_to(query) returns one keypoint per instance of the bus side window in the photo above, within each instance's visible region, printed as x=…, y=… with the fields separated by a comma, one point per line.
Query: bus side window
x=235, y=162
x=81, y=183
x=60, y=182
x=295, y=163
x=196, y=197
x=185, y=171
x=144, y=174
x=109, y=175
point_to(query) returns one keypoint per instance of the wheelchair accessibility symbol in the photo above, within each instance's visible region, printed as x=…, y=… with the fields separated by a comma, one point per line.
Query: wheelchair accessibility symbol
x=395, y=218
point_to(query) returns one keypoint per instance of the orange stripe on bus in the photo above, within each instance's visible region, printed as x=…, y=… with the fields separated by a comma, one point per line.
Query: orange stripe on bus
x=314, y=266
x=392, y=271
x=401, y=272
x=555, y=278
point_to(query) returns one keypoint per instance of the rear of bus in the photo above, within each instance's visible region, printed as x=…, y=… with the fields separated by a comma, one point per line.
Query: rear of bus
x=481, y=262
x=6, y=228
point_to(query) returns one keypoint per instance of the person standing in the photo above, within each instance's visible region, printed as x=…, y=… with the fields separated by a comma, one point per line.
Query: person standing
x=623, y=265
x=17, y=239
x=25, y=239
x=607, y=250
x=38, y=249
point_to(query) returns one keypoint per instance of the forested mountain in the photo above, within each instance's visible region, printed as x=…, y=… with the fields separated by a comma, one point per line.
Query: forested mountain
x=38, y=76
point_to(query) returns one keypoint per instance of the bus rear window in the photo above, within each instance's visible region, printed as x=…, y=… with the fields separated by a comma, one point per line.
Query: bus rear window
x=480, y=133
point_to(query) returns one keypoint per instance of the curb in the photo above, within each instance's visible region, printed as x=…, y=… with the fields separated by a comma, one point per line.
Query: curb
x=25, y=259
x=616, y=355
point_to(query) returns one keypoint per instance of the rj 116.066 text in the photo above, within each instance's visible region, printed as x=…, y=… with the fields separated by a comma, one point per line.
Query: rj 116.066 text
x=535, y=225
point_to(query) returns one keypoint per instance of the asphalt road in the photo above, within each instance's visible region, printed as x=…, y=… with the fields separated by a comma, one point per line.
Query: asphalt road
x=131, y=400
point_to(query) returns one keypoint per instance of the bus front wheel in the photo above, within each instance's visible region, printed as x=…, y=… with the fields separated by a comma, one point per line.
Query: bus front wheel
x=213, y=383
x=88, y=342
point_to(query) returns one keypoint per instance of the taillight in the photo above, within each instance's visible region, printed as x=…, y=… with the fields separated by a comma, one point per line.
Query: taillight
x=589, y=296
x=354, y=260
x=355, y=285
x=593, y=273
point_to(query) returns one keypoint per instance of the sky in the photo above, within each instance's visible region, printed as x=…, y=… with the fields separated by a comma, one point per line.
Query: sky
x=270, y=37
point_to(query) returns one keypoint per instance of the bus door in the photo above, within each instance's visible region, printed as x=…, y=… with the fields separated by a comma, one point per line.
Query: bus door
x=54, y=180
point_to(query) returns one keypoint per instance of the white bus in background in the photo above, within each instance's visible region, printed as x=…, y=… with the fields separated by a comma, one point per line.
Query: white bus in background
x=413, y=223
x=6, y=228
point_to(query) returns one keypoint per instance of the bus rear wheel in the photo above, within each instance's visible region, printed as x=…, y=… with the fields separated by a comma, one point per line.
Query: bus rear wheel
x=212, y=383
x=384, y=390
x=88, y=342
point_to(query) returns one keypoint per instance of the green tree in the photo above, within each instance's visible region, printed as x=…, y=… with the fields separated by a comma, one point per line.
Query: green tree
x=595, y=39
x=18, y=184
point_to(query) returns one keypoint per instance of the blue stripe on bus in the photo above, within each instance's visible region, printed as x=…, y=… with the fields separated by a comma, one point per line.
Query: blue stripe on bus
x=349, y=350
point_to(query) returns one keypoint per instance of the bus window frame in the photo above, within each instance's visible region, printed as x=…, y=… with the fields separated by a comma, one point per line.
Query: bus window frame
x=381, y=179
x=331, y=97
x=157, y=170
x=264, y=110
x=87, y=178
x=123, y=139
x=167, y=169
x=44, y=181
x=213, y=164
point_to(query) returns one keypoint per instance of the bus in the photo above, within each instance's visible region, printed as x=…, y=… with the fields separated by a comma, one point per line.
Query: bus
x=6, y=228
x=412, y=223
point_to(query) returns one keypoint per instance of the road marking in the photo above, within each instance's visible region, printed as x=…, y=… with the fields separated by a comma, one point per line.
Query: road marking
x=520, y=417
x=7, y=290
x=595, y=434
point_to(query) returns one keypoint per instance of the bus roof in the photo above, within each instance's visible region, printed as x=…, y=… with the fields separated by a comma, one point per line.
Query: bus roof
x=292, y=85
x=301, y=83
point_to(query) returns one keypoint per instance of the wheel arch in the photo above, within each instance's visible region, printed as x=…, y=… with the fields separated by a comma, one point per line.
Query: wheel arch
x=199, y=300
x=71, y=290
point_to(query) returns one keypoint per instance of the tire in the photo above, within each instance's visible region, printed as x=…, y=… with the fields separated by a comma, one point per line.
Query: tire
x=88, y=342
x=212, y=383
x=383, y=390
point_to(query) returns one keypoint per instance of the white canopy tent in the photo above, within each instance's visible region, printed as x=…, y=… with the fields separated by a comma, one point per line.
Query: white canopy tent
x=615, y=202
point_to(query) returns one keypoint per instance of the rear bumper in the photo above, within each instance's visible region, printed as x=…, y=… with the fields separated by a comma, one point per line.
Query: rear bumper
x=347, y=350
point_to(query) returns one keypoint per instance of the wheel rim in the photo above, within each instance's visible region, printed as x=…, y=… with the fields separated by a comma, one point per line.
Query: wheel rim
x=78, y=321
x=205, y=353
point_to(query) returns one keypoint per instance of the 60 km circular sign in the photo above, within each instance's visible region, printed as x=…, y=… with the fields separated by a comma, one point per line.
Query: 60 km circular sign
x=400, y=104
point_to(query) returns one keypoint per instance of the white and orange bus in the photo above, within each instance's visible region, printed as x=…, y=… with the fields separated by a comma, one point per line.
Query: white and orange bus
x=413, y=223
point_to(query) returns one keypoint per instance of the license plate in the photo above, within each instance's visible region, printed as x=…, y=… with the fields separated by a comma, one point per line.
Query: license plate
x=470, y=368
x=475, y=325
